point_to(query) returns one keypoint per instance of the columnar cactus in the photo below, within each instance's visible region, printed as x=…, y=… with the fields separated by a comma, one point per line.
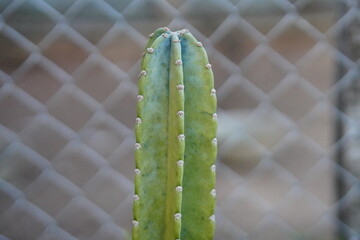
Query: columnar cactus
x=175, y=141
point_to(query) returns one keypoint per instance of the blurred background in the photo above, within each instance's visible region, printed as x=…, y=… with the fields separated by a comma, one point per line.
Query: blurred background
x=288, y=84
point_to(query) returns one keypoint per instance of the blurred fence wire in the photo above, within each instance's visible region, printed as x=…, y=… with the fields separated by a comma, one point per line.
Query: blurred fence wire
x=288, y=84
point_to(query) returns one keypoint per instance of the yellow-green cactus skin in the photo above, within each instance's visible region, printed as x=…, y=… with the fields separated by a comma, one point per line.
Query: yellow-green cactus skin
x=176, y=144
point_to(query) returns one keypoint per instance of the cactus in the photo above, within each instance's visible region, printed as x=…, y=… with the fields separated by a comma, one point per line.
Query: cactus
x=175, y=141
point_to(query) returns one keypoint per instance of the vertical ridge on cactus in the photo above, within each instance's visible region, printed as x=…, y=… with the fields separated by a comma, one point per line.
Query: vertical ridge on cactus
x=175, y=134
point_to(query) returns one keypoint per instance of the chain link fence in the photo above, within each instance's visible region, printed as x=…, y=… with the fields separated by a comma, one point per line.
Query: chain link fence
x=287, y=77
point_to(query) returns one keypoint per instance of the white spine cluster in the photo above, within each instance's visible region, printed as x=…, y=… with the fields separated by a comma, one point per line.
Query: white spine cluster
x=180, y=114
x=140, y=98
x=180, y=87
x=215, y=116
x=138, y=121
x=135, y=223
x=142, y=73
x=137, y=146
x=213, y=193
x=150, y=50
x=178, y=62
x=181, y=137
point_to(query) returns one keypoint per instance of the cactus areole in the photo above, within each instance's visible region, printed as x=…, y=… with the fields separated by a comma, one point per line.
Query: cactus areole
x=175, y=148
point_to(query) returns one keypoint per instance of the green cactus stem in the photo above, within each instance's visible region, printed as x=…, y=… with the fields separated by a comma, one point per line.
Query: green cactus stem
x=175, y=141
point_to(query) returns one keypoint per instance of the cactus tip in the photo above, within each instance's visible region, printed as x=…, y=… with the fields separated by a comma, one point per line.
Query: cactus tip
x=166, y=29
x=212, y=218
x=214, y=141
x=208, y=66
x=165, y=35
x=182, y=32
x=179, y=189
x=151, y=34
x=136, y=197
x=213, y=92
x=199, y=44
x=213, y=168
x=180, y=163
x=176, y=40
x=137, y=171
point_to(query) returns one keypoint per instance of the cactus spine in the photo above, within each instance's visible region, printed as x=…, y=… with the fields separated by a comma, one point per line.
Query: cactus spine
x=175, y=141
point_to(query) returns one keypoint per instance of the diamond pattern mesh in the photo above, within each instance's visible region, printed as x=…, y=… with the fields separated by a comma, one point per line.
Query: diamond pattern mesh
x=287, y=77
